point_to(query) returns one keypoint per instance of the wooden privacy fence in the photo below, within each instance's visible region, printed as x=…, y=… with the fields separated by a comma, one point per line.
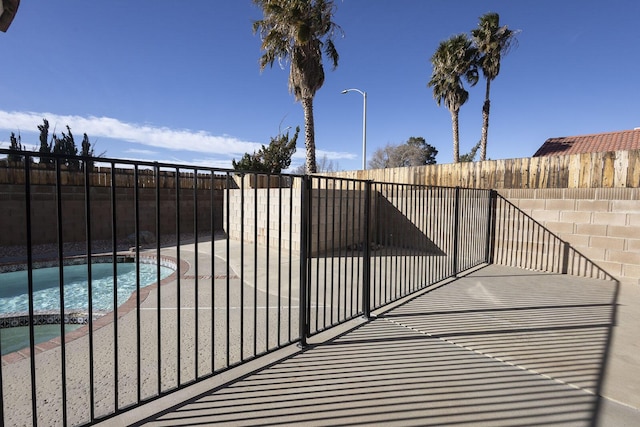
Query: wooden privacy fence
x=620, y=169
x=613, y=169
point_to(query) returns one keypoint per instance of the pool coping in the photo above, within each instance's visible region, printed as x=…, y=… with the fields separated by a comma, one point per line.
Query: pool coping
x=106, y=318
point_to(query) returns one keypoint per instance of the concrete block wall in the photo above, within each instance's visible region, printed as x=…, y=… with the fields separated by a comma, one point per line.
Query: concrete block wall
x=44, y=213
x=336, y=220
x=279, y=203
x=602, y=224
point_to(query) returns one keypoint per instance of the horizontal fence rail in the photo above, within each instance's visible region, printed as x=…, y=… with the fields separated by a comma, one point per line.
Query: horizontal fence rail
x=237, y=269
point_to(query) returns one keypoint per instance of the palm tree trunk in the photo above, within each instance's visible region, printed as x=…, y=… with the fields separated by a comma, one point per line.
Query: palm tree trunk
x=456, y=136
x=485, y=123
x=309, y=135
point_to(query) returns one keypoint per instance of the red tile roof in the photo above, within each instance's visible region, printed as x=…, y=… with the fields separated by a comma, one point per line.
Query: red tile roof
x=599, y=142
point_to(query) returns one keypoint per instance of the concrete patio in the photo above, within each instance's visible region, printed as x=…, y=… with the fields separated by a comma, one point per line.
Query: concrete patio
x=500, y=346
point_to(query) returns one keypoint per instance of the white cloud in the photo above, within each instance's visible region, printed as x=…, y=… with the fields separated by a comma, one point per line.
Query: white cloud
x=215, y=151
x=204, y=163
x=336, y=155
x=330, y=155
x=106, y=127
x=137, y=151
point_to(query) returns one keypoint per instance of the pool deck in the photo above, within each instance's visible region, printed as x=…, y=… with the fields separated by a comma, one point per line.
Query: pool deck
x=500, y=346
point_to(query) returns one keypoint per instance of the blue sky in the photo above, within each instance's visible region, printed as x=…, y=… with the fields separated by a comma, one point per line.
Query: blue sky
x=179, y=81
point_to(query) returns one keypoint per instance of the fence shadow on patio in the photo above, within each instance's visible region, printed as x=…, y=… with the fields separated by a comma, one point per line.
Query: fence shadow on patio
x=495, y=347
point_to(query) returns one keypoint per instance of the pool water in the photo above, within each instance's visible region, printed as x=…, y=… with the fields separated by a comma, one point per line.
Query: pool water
x=46, y=285
x=14, y=339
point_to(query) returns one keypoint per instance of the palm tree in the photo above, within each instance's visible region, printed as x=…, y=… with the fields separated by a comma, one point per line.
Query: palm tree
x=299, y=31
x=454, y=60
x=492, y=42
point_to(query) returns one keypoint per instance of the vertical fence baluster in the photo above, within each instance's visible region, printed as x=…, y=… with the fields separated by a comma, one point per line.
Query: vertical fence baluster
x=228, y=270
x=304, y=241
x=456, y=226
x=136, y=210
x=366, y=269
x=63, y=345
x=318, y=197
x=114, y=272
x=87, y=210
x=178, y=282
x=360, y=223
x=349, y=241
x=266, y=261
x=491, y=227
x=363, y=223
x=290, y=320
x=420, y=252
x=212, y=224
x=279, y=275
x=156, y=169
x=325, y=251
x=255, y=265
x=330, y=240
x=340, y=276
x=242, y=238
x=196, y=256
x=387, y=242
x=32, y=353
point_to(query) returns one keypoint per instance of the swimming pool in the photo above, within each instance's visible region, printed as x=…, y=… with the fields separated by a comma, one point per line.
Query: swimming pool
x=46, y=286
x=14, y=299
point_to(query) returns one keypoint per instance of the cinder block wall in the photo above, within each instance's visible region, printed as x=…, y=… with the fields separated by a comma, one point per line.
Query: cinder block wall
x=279, y=203
x=601, y=223
x=13, y=227
x=329, y=217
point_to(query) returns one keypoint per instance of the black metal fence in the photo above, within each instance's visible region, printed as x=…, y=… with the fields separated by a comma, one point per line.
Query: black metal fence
x=261, y=262
x=373, y=243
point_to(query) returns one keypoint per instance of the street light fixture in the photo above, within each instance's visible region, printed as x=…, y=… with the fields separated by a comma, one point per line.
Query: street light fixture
x=364, y=125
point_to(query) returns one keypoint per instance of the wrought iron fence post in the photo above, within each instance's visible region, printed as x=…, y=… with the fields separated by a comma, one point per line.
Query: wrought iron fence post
x=565, y=256
x=366, y=268
x=491, y=226
x=456, y=227
x=305, y=200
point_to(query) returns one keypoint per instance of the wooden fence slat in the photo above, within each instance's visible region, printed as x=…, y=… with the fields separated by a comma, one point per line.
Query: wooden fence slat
x=563, y=171
x=572, y=169
x=620, y=168
x=524, y=172
x=595, y=170
x=584, y=170
x=633, y=172
x=608, y=170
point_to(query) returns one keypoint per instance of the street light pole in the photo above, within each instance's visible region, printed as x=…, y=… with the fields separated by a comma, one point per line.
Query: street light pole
x=364, y=125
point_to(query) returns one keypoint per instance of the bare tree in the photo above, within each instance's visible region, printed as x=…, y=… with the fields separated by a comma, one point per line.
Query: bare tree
x=414, y=152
